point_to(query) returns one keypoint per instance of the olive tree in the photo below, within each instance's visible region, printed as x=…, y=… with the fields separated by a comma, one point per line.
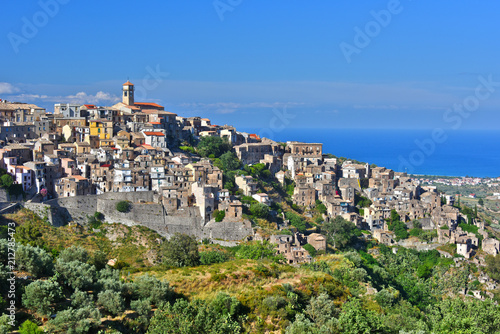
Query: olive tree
x=180, y=251
x=40, y=295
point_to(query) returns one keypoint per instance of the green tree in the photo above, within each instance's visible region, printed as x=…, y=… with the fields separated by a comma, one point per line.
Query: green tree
x=76, y=274
x=29, y=234
x=40, y=295
x=354, y=319
x=81, y=299
x=323, y=312
x=6, y=180
x=229, y=161
x=259, y=210
x=29, y=327
x=302, y=325
x=109, y=279
x=339, y=232
x=257, y=250
x=123, y=206
x=111, y=301
x=320, y=207
x=75, y=321
x=493, y=266
x=480, y=202
x=469, y=316
x=296, y=221
x=150, y=288
x=394, y=216
x=386, y=297
x=399, y=229
x=198, y=317
x=181, y=251
x=73, y=253
x=215, y=146
x=143, y=309
x=5, y=326
x=34, y=260
x=219, y=215
x=210, y=257
x=142, y=306
x=361, y=201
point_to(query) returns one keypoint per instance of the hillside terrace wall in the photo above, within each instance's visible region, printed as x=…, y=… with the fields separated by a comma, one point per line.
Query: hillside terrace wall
x=145, y=210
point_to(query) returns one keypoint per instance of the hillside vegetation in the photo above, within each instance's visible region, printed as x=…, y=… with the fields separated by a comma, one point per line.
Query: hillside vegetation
x=186, y=287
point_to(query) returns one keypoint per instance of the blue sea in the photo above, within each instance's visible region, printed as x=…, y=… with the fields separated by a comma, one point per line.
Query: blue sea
x=451, y=153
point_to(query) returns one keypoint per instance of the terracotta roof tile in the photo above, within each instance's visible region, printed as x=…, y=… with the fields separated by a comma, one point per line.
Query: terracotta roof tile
x=148, y=104
x=152, y=133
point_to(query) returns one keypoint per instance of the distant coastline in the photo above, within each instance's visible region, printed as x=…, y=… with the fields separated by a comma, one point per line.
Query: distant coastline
x=474, y=153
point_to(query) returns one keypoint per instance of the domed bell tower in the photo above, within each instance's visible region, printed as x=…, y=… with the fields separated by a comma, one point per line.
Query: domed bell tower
x=128, y=93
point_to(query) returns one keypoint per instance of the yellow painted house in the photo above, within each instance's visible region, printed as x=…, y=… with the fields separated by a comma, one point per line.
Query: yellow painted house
x=101, y=128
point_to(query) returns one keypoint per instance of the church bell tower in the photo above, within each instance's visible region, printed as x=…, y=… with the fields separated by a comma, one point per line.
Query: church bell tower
x=128, y=93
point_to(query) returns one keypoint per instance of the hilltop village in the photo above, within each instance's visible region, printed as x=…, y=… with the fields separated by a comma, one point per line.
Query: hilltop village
x=145, y=154
x=133, y=219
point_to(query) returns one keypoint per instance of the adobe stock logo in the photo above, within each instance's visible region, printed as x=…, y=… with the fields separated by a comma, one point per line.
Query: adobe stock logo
x=30, y=28
x=277, y=123
x=150, y=82
x=223, y=6
x=363, y=37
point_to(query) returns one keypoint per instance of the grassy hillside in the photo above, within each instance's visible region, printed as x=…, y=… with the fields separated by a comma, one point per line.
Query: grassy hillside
x=134, y=246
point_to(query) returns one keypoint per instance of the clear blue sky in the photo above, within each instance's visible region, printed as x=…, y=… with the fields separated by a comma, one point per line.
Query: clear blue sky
x=261, y=55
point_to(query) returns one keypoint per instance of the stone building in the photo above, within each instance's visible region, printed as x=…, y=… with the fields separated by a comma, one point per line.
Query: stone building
x=318, y=241
x=71, y=186
x=491, y=246
x=304, y=195
x=383, y=237
x=246, y=184
x=253, y=153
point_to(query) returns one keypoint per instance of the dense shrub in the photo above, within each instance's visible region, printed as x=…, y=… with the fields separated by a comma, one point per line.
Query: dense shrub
x=40, y=295
x=340, y=233
x=198, y=317
x=123, y=206
x=111, y=301
x=34, y=260
x=296, y=221
x=80, y=299
x=257, y=250
x=310, y=249
x=29, y=327
x=73, y=253
x=180, y=251
x=76, y=274
x=210, y=257
x=75, y=321
x=399, y=229
x=219, y=215
x=5, y=326
x=150, y=288
x=213, y=146
x=259, y=210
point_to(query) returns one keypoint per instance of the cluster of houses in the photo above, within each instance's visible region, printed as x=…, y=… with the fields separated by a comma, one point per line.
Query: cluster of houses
x=86, y=149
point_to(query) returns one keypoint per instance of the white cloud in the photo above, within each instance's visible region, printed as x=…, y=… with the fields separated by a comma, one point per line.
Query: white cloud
x=381, y=107
x=7, y=88
x=84, y=98
x=231, y=107
x=100, y=98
